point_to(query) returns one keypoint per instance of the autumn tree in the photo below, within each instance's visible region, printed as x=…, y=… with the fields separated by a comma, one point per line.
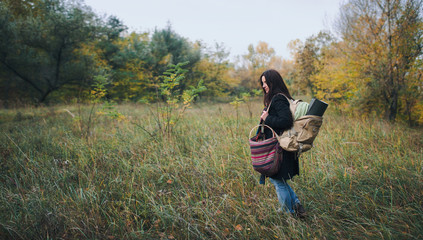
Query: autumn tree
x=383, y=43
x=215, y=70
x=412, y=96
x=308, y=60
x=130, y=67
x=257, y=60
x=287, y=70
x=334, y=82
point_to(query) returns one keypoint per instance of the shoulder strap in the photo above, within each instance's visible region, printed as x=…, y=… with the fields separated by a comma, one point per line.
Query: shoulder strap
x=268, y=108
x=270, y=104
x=293, y=106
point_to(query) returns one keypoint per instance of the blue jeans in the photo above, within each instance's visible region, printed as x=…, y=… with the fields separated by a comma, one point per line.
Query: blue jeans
x=286, y=196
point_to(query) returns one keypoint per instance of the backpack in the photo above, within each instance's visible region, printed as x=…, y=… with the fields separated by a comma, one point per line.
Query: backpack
x=304, y=130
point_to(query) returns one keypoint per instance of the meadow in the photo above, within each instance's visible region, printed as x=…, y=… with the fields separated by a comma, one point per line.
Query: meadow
x=124, y=180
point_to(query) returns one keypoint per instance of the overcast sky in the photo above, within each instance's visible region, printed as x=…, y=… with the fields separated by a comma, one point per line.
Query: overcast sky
x=235, y=23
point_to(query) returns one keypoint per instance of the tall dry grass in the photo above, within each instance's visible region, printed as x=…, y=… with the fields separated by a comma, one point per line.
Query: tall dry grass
x=363, y=179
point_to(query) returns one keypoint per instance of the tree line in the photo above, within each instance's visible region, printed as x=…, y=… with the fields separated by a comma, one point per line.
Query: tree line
x=374, y=65
x=53, y=50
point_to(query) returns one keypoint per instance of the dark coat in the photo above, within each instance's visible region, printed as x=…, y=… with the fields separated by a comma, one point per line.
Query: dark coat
x=280, y=119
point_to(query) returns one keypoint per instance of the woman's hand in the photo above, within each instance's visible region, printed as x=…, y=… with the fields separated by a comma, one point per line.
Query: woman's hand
x=264, y=115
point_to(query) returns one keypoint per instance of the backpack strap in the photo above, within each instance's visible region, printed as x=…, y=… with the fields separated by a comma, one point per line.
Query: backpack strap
x=270, y=104
x=261, y=121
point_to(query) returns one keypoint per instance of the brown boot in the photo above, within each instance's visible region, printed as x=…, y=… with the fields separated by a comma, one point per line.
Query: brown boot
x=299, y=210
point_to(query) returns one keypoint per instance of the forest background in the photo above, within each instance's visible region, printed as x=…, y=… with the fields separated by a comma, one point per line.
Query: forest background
x=111, y=134
x=55, y=51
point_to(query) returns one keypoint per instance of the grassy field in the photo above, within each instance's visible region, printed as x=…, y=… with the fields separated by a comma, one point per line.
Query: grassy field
x=363, y=179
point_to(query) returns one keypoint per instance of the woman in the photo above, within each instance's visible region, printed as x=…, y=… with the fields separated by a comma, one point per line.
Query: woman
x=279, y=118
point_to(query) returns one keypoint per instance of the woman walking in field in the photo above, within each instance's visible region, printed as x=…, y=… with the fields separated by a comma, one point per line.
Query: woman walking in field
x=279, y=118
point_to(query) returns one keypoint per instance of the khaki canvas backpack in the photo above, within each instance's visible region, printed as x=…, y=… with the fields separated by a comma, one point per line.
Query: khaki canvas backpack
x=304, y=130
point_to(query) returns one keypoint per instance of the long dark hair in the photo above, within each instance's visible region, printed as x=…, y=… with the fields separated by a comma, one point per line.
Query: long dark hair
x=276, y=85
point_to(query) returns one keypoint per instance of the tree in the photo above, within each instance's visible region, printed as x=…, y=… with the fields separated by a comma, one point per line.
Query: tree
x=132, y=69
x=108, y=43
x=215, y=70
x=42, y=49
x=412, y=95
x=167, y=48
x=257, y=60
x=383, y=42
x=308, y=60
x=23, y=7
x=334, y=82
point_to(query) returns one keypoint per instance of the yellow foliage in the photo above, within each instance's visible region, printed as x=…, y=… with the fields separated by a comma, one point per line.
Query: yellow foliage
x=90, y=49
x=259, y=59
x=335, y=82
x=419, y=111
x=217, y=77
x=134, y=77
